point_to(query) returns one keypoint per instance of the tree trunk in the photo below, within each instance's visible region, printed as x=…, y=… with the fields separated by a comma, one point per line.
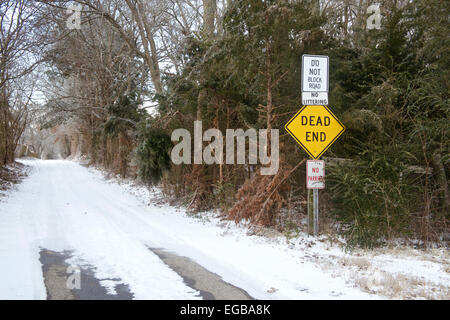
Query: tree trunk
x=148, y=43
x=441, y=179
x=209, y=17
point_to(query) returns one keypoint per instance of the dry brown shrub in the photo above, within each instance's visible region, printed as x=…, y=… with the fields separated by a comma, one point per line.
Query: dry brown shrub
x=200, y=188
x=260, y=198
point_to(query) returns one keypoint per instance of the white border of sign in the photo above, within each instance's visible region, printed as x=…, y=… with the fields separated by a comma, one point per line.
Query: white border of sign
x=308, y=161
x=328, y=70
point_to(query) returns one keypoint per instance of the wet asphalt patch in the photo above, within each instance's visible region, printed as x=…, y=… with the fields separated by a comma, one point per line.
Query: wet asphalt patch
x=210, y=285
x=60, y=286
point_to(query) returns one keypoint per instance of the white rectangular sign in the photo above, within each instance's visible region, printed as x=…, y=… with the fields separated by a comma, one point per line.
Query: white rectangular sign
x=315, y=174
x=314, y=73
x=315, y=98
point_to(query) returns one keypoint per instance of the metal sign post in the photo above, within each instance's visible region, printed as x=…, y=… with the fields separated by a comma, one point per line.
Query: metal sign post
x=316, y=211
x=310, y=210
x=315, y=128
x=315, y=176
x=315, y=75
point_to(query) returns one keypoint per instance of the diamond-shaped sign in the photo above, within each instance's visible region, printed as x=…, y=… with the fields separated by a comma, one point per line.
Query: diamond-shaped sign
x=315, y=128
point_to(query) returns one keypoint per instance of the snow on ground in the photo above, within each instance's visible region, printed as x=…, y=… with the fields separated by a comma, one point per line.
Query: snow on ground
x=110, y=225
x=275, y=262
x=61, y=206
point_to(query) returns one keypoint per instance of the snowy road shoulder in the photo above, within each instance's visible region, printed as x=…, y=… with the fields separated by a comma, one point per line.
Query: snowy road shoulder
x=298, y=268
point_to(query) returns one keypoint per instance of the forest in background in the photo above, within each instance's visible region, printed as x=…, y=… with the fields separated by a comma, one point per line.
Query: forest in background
x=115, y=88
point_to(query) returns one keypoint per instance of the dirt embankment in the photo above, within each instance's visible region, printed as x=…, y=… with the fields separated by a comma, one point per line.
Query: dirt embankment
x=11, y=175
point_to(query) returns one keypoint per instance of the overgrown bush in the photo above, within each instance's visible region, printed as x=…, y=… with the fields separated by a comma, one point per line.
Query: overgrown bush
x=373, y=198
x=152, y=153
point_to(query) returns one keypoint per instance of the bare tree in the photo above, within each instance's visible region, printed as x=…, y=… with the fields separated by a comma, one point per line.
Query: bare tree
x=18, y=59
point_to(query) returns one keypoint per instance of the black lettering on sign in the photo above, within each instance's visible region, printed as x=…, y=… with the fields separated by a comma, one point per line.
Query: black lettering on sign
x=304, y=120
x=312, y=121
x=314, y=72
x=314, y=79
x=315, y=136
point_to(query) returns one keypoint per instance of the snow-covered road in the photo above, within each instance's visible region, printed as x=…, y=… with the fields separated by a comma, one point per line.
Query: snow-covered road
x=62, y=205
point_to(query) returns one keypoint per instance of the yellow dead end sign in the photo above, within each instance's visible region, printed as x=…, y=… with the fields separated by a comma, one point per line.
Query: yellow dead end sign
x=315, y=128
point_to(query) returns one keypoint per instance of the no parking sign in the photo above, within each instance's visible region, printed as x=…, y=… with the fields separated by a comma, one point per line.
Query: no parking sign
x=315, y=174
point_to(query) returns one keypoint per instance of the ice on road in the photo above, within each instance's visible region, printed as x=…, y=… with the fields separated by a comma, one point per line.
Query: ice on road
x=62, y=205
